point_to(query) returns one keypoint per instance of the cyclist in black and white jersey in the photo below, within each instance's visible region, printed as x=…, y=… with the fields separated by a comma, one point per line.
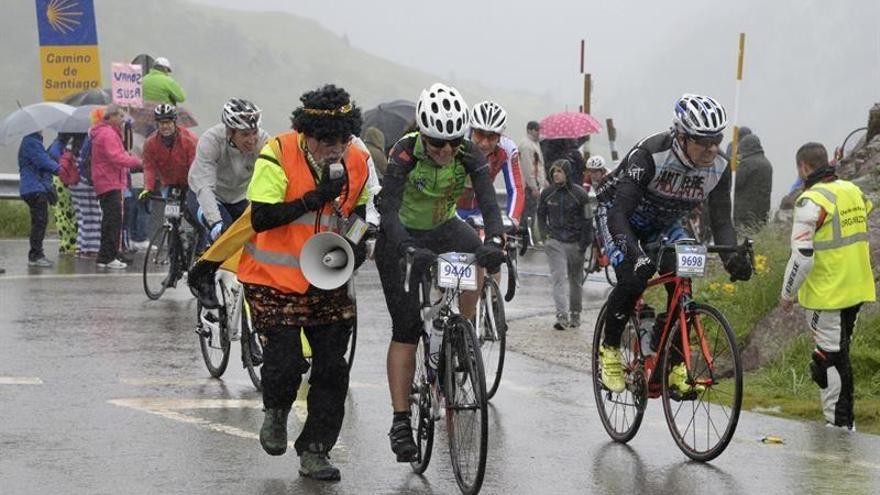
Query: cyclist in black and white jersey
x=657, y=184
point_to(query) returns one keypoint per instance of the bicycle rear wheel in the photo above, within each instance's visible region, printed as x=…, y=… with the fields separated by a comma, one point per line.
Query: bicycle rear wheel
x=622, y=413
x=213, y=331
x=467, y=417
x=702, y=423
x=248, y=341
x=491, y=333
x=420, y=411
x=158, y=264
x=610, y=275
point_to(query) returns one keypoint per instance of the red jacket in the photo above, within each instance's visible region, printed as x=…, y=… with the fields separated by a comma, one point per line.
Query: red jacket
x=110, y=161
x=172, y=164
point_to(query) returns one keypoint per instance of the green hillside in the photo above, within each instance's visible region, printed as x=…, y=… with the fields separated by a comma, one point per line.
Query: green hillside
x=271, y=58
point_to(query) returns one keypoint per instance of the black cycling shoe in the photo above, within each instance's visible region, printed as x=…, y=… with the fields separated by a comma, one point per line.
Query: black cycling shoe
x=402, y=441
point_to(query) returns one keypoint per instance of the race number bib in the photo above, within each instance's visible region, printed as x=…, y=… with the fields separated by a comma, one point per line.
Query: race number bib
x=691, y=260
x=172, y=210
x=456, y=270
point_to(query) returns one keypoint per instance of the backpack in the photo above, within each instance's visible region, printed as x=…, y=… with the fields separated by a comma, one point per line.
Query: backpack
x=69, y=172
x=84, y=162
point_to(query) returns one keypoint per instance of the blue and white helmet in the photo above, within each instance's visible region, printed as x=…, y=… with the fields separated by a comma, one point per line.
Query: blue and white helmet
x=696, y=115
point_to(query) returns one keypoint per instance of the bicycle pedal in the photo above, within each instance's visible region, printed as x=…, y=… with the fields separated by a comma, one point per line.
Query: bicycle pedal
x=685, y=397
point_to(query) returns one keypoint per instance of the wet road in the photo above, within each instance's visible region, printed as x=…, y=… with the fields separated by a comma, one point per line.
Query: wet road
x=103, y=391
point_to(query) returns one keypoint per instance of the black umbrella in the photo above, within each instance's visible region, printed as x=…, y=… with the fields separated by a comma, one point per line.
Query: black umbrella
x=90, y=97
x=145, y=61
x=392, y=118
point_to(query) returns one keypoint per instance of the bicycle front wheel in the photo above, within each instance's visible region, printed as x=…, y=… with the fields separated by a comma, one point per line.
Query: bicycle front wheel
x=622, y=413
x=467, y=417
x=251, y=347
x=491, y=333
x=158, y=263
x=213, y=331
x=703, y=418
x=420, y=407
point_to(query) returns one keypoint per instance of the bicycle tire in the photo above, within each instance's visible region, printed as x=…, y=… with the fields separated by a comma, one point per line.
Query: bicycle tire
x=588, y=264
x=634, y=397
x=214, y=340
x=725, y=365
x=464, y=365
x=248, y=338
x=609, y=272
x=352, y=343
x=525, y=240
x=421, y=418
x=491, y=334
x=152, y=259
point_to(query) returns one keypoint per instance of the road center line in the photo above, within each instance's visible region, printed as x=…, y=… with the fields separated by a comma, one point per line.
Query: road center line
x=20, y=380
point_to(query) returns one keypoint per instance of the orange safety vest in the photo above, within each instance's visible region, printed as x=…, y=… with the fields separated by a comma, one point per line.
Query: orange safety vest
x=271, y=257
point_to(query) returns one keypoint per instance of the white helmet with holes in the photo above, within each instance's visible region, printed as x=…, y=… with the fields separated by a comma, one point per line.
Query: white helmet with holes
x=442, y=113
x=696, y=115
x=488, y=116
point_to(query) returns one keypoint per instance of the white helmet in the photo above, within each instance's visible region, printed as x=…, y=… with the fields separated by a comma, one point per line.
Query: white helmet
x=241, y=114
x=162, y=62
x=596, y=162
x=442, y=113
x=697, y=115
x=488, y=116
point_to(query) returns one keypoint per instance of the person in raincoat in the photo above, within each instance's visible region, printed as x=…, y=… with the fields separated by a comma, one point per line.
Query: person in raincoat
x=36, y=169
x=754, y=182
x=160, y=87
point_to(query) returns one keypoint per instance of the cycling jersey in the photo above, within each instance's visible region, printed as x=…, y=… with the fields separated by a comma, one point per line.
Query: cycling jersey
x=655, y=187
x=220, y=172
x=505, y=159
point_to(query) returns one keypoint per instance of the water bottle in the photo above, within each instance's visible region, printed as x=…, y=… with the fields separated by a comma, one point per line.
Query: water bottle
x=436, y=341
x=647, y=318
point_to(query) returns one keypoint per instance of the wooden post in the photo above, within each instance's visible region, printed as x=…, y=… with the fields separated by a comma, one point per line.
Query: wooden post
x=735, y=146
x=612, y=137
x=588, y=82
x=583, y=47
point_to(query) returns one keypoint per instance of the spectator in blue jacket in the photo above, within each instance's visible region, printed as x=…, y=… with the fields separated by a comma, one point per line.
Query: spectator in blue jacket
x=36, y=169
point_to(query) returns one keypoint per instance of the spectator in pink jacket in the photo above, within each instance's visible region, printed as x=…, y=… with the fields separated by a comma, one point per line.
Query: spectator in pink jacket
x=110, y=162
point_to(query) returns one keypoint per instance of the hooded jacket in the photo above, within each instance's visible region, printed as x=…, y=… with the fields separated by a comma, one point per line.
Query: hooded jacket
x=110, y=161
x=162, y=88
x=562, y=209
x=754, y=181
x=35, y=166
x=375, y=141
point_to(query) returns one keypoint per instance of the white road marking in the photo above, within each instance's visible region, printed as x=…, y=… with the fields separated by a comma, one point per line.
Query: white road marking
x=20, y=380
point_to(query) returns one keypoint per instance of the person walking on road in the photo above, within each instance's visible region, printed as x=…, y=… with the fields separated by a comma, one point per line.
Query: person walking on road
x=294, y=187
x=36, y=169
x=563, y=217
x=160, y=87
x=110, y=164
x=829, y=272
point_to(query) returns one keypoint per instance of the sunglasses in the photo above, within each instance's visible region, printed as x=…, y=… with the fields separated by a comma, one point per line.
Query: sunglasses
x=440, y=143
x=707, y=141
x=487, y=136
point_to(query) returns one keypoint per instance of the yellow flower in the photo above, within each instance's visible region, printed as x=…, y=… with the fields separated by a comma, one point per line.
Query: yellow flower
x=761, y=264
x=729, y=288
x=714, y=287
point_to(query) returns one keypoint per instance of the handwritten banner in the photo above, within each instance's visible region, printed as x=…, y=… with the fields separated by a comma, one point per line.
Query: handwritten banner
x=126, y=84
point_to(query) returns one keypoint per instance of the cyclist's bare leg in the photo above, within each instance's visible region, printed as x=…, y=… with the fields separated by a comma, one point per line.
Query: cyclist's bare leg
x=401, y=364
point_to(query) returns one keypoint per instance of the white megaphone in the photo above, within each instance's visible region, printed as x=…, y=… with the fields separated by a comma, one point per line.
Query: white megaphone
x=327, y=260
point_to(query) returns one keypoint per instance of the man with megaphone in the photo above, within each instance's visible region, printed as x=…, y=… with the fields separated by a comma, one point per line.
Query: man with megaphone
x=308, y=197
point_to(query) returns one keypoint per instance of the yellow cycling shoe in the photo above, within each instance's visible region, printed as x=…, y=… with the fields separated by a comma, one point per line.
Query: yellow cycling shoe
x=612, y=369
x=678, y=380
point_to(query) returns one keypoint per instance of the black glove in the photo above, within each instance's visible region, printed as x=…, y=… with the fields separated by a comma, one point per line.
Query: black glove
x=330, y=189
x=312, y=201
x=739, y=267
x=644, y=268
x=490, y=255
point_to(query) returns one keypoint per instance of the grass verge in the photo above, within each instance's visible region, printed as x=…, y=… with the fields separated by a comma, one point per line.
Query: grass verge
x=15, y=219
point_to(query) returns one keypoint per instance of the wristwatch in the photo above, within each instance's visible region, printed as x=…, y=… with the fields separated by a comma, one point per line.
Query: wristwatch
x=496, y=240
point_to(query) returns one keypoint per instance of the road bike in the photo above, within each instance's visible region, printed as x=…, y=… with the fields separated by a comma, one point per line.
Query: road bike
x=703, y=419
x=449, y=372
x=231, y=321
x=596, y=260
x=490, y=320
x=171, y=247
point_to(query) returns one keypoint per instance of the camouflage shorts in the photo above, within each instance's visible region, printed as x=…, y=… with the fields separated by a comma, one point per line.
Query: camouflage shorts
x=271, y=308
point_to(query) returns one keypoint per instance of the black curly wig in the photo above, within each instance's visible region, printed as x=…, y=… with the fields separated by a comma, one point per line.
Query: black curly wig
x=327, y=114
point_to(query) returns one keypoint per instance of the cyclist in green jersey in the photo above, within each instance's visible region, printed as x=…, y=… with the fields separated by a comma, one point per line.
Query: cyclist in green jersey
x=427, y=171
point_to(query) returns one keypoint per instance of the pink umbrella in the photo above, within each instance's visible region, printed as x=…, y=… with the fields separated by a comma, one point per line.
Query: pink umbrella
x=568, y=125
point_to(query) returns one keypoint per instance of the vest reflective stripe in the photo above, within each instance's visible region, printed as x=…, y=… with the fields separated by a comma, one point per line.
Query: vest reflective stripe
x=841, y=275
x=271, y=258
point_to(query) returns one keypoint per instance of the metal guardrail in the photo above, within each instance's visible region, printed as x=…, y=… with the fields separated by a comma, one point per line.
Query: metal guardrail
x=9, y=186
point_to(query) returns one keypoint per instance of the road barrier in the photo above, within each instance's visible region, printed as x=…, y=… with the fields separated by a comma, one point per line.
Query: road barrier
x=9, y=186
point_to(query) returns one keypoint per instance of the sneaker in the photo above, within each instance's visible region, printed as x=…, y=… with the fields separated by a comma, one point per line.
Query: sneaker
x=125, y=259
x=273, y=433
x=575, y=320
x=402, y=443
x=561, y=321
x=114, y=265
x=678, y=381
x=41, y=262
x=612, y=369
x=140, y=246
x=316, y=465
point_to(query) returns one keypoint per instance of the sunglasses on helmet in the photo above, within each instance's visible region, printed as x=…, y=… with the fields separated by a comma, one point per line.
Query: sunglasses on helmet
x=440, y=143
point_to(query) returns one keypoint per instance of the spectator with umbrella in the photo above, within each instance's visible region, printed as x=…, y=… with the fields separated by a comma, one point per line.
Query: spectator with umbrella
x=562, y=134
x=393, y=119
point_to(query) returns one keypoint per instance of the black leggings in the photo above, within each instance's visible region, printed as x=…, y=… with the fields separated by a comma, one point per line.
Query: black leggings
x=38, y=204
x=453, y=235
